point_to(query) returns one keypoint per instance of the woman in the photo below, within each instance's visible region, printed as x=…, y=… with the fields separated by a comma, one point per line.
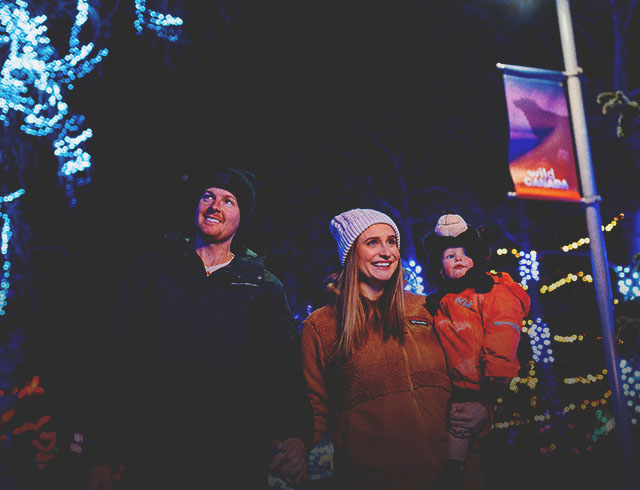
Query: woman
x=375, y=370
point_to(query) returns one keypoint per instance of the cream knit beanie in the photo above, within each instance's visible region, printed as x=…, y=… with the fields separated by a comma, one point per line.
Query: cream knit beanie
x=347, y=227
x=451, y=225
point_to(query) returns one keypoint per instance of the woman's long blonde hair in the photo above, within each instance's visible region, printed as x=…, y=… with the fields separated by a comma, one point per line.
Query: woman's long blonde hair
x=357, y=315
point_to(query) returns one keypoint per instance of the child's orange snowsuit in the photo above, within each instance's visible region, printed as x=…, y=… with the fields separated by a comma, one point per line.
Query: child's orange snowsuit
x=480, y=332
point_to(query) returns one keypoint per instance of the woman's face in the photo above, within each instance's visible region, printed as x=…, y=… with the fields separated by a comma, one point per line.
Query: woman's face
x=377, y=257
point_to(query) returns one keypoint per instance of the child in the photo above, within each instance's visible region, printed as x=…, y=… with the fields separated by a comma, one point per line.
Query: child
x=478, y=317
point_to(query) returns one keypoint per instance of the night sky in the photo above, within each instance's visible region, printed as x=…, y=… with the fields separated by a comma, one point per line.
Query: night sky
x=333, y=106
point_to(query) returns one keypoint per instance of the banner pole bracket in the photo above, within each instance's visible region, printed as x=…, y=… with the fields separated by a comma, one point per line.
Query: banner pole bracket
x=591, y=199
x=578, y=71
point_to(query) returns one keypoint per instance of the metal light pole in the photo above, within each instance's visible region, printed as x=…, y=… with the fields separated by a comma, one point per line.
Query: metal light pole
x=598, y=251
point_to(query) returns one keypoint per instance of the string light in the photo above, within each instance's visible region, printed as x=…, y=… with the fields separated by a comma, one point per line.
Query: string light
x=5, y=237
x=45, y=441
x=33, y=388
x=630, y=377
x=539, y=338
x=76, y=445
x=528, y=267
x=516, y=420
x=44, y=453
x=568, y=339
x=164, y=25
x=628, y=282
x=547, y=415
x=34, y=82
x=606, y=426
x=528, y=264
x=585, y=241
x=589, y=378
x=530, y=381
x=569, y=278
x=11, y=197
x=34, y=79
x=6, y=416
x=412, y=272
x=31, y=426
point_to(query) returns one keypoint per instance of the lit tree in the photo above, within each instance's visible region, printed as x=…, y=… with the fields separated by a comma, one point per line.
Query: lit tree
x=39, y=127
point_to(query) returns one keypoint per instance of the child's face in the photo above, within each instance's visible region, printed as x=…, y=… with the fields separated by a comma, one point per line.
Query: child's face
x=455, y=262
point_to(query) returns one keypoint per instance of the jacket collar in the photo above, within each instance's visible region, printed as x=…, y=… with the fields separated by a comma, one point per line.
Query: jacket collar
x=245, y=259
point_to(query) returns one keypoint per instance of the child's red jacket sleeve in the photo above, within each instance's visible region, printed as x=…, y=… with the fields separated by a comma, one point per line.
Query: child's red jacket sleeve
x=503, y=310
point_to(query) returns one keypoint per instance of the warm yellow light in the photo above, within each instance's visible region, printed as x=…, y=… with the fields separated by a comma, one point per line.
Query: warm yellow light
x=585, y=240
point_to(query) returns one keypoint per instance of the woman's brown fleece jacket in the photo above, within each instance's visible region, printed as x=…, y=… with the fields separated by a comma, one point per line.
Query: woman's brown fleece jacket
x=384, y=406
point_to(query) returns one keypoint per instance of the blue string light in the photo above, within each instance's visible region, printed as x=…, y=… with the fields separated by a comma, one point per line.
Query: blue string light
x=540, y=340
x=628, y=282
x=630, y=376
x=33, y=82
x=528, y=267
x=412, y=272
x=164, y=25
x=5, y=237
x=528, y=264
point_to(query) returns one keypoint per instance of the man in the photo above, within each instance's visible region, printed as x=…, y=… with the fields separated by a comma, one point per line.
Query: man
x=210, y=386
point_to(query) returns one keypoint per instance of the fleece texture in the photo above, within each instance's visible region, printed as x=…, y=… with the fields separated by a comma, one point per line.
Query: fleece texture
x=385, y=406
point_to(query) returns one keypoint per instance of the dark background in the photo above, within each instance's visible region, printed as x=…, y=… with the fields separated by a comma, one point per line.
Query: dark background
x=334, y=105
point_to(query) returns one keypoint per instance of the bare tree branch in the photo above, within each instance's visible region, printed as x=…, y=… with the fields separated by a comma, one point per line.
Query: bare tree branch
x=391, y=208
x=627, y=21
x=377, y=142
x=594, y=47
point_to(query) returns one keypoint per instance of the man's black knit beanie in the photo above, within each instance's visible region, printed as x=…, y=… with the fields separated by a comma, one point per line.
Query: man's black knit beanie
x=241, y=183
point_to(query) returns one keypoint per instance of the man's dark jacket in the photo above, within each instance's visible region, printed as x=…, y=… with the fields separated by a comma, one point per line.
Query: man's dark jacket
x=204, y=371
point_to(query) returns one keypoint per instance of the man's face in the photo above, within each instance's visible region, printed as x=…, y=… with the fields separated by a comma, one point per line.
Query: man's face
x=218, y=215
x=455, y=262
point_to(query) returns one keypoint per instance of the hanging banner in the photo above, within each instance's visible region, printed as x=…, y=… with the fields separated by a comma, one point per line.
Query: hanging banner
x=541, y=158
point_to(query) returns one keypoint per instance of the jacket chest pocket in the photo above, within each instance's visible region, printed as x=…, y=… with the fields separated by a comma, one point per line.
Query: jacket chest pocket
x=425, y=358
x=243, y=295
